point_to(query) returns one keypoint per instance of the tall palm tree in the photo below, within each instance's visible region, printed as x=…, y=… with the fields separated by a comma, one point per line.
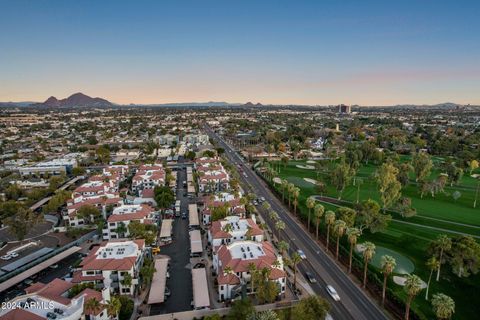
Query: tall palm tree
x=317, y=215
x=368, y=253
x=443, y=306
x=93, y=305
x=432, y=264
x=339, y=229
x=329, y=220
x=283, y=247
x=295, y=193
x=290, y=189
x=113, y=307
x=310, y=204
x=413, y=285
x=252, y=268
x=359, y=183
x=279, y=225
x=295, y=261
x=352, y=234
x=388, y=264
x=284, y=189
x=443, y=244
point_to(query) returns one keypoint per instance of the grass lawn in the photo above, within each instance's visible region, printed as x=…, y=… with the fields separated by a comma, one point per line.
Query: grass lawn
x=409, y=240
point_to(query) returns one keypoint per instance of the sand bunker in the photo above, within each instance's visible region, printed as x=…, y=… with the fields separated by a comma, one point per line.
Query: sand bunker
x=307, y=167
x=401, y=281
x=312, y=181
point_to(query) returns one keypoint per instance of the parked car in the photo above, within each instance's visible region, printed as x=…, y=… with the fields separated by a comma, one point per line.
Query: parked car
x=13, y=254
x=167, y=292
x=333, y=293
x=54, y=266
x=6, y=257
x=155, y=250
x=310, y=277
x=301, y=254
x=184, y=215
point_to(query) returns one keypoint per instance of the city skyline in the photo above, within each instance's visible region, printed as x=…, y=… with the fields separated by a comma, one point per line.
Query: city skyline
x=369, y=53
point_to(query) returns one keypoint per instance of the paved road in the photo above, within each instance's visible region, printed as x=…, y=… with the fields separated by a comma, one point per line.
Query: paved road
x=354, y=304
x=180, y=281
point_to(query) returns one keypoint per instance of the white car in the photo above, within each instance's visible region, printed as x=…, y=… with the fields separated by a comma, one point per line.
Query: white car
x=13, y=254
x=333, y=293
x=301, y=254
x=6, y=257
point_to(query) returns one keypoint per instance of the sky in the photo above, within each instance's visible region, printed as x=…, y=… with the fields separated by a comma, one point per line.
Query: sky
x=321, y=52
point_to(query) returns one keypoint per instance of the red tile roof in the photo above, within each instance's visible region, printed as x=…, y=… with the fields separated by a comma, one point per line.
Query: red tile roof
x=20, y=314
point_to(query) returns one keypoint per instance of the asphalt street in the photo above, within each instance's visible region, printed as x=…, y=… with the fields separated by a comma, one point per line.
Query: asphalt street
x=354, y=303
x=180, y=281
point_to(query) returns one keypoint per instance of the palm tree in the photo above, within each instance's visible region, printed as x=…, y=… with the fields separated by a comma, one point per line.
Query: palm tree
x=368, y=253
x=310, y=204
x=388, y=264
x=432, y=264
x=283, y=247
x=317, y=215
x=113, y=307
x=329, y=220
x=443, y=306
x=252, y=268
x=295, y=261
x=443, y=243
x=284, y=189
x=413, y=285
x=227, y=270
x=359, y=183
x=266, y=206
x=339, y=229
x=273, y=215
x=290, y=189
x=93, y=305
x=279, y=225
x=352, y=234
x=296, y=193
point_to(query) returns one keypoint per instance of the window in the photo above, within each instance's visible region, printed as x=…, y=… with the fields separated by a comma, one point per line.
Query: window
x=221, y=287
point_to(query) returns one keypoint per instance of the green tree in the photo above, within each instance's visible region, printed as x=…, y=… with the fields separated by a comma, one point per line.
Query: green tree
x=388, y=185
x=121, y=229
x=283, y=247
x=329, y=221
x=352, y=234
x=310, y=203
x=443, y=306
x=147, y=271
x=93, y=306
x=347, y=214
x=388, y=264
x=296, y=259
x=432, y=264
x=439, y=248
x=164, y=196
x=21, y=222
x=113, y=307
x=339, y=229
x=318, y=211
x=340, y=177
x=422, y=164
x=103, y=155
x=464, y=256
x=279, y=225
x=413, y=285
x=368, y=253
x=88, y=213
x=295, y=194
x=78, y=171
x=240, y=310
x=127, y=280
x=311, y=308
x=370, y=217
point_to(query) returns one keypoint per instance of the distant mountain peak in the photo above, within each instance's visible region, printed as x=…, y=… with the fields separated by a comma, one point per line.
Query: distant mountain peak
x=76, y=100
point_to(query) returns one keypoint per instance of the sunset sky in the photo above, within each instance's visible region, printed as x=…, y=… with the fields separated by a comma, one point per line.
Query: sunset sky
x=279, y=52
